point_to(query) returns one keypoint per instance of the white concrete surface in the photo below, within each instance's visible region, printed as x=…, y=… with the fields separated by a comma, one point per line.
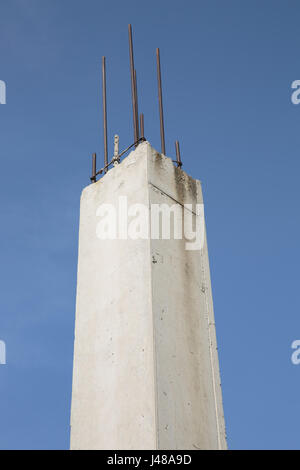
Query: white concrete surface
x=146, y=373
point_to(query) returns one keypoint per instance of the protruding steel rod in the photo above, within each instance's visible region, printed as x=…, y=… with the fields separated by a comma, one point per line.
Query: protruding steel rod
x=142, y=126
x=104, y=112
x=133, y=94
x=178, y=158
x=161, y=112
x=136, y=106
x=94, y=169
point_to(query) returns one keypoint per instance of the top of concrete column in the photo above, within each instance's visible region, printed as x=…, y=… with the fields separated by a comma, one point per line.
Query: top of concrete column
x=161, y=173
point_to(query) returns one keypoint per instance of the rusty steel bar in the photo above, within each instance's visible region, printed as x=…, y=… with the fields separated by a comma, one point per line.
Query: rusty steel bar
x=160, y=102
x=104, y=112
x=136, y=106
x=178, y=158
x=142, y=126
x=99, y=172
x=94, y=170
x=133, y=95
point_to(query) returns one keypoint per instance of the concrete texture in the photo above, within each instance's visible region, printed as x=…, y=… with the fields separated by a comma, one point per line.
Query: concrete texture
x=146, y=373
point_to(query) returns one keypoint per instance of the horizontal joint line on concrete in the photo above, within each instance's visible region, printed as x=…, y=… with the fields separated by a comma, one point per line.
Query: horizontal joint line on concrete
x=171, y=197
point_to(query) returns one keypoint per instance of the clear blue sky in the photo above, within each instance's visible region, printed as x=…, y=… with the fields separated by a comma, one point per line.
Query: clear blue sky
x=227, y=71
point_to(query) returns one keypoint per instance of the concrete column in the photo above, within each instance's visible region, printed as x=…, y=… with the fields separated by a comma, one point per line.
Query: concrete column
x=146, y=373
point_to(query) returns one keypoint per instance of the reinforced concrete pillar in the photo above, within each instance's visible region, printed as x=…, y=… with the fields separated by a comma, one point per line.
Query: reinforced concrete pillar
x=146, y=372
